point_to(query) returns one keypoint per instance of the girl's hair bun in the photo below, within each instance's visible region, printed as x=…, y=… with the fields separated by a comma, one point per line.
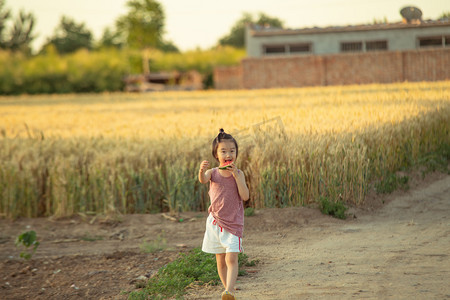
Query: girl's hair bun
x=221, y=130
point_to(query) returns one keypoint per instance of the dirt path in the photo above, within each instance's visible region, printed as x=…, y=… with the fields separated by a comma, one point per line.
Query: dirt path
x=399, y=251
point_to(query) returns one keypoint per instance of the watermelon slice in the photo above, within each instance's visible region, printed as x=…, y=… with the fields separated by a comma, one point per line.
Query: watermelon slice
x=225, y=165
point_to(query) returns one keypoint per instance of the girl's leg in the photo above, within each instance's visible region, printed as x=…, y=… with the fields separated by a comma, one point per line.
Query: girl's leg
x=232, y=265
x=222, y=268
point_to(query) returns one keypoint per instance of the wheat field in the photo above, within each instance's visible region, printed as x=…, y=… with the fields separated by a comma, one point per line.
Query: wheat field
x=138, y=153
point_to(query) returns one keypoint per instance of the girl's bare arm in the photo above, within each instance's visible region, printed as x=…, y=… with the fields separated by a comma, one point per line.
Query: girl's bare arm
x=242, y=186
x=204, y=175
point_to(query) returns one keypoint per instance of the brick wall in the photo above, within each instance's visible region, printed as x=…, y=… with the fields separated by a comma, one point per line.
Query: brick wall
x=338, y=69
x=228, y=78
x=430, y=65
x=363, y=68
x=291, y=71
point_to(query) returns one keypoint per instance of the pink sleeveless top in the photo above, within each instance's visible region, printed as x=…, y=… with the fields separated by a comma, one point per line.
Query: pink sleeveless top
x=226, y=204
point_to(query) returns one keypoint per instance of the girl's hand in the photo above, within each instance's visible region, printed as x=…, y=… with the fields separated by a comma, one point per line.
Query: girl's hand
x=233, y=169
x=204, y=166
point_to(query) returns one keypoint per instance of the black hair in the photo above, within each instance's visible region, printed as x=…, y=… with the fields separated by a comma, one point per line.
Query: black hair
x=219, y=138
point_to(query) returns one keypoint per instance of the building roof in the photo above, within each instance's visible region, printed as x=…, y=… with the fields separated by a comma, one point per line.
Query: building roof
x=260, y=31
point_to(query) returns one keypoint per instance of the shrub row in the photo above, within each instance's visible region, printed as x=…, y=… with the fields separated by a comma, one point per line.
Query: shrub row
x=98, y=71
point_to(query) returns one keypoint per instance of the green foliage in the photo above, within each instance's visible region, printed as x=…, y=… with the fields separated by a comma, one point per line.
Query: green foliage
x=436, y=161
x=4, y=16
x=445, y=16
x=27, y=239
x=203, y=61
x=249, y=211
x=81, y=71
x=380, y=21
x=143, y=25
x=84, y=71
x=111, y=39
x=244, y=262
x=20, y=35
x=336, y=209
x=195, y=267
x=70, y=37
x=390, y=182
x=236, y=37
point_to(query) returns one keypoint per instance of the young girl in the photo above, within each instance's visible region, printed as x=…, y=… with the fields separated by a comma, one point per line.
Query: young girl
x=225, y=223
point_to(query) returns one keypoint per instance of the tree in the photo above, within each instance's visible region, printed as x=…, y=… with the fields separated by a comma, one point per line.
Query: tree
x=70, y=36
x=19, y=36
x=21, y=33
x=236, y=37
x=444, y=16
x=168, y=46
x=4, y=16
x=143, y=26
x=111, y=39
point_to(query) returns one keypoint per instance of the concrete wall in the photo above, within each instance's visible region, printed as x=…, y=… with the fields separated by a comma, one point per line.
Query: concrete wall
x=338, y=69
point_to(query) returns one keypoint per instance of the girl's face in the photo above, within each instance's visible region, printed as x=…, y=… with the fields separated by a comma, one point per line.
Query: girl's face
x=226, y=151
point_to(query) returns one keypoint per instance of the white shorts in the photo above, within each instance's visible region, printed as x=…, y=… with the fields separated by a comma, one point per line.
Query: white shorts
x=217, y=240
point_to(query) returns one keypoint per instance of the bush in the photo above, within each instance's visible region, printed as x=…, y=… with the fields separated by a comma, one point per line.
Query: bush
x=99, y=71
x=82, y=71
x=336, y=209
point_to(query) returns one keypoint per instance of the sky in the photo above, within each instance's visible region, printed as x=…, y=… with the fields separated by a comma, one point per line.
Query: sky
x=201, y=23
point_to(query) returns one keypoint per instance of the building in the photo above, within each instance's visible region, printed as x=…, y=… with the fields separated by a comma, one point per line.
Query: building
x=411, y=50
x=262, y=41
x=164, y=81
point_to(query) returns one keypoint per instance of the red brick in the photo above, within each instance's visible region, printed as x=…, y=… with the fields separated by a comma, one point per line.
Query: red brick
x=338, y=69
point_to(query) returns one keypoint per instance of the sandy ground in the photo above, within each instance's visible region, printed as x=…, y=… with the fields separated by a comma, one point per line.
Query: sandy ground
x=396, y=247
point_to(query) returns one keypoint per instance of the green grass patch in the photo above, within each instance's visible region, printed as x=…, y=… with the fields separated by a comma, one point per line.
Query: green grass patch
x=335, y=209
x=390, y=182
x=249, y=211
x=427, y=163
x=436, y=161
x=193, y=268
